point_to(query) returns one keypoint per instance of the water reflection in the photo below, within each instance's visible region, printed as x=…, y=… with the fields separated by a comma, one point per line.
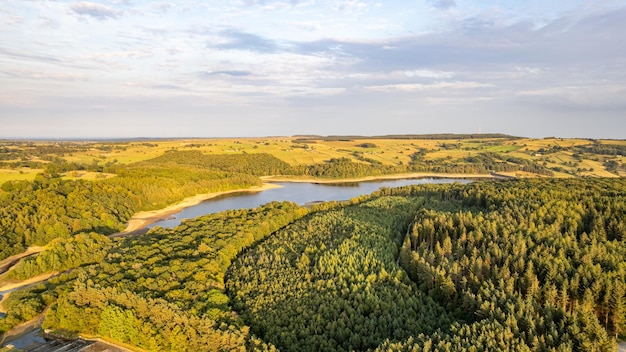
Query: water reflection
x=341, y=184
x=300, y=193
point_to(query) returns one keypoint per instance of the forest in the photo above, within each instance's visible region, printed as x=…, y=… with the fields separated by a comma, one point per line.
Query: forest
x=518, y=265
x=50, y=206
x=534, y=265
x=524, y=264
x=35, y=213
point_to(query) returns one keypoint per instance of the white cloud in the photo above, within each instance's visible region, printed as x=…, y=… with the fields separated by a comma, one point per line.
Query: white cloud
x=415, y=87
x=49, y=22
x=429, y=74
x=138, y=54
x=443, y=4
x=41, y=75
x=354, y=58
x=531, y=70
x=457, y=100
x=95, y=10
x=593, y=96
x=12, y=20
x=163, y=7
x=308, y=25
x=350, y=6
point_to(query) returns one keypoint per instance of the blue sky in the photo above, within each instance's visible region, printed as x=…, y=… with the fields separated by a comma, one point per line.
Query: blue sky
x=133, y=68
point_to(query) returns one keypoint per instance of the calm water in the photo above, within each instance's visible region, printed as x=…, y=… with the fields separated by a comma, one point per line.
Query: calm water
x=300, y=193
x=26, y=340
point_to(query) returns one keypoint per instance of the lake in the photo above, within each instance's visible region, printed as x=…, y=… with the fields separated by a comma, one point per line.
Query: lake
x=300, y=193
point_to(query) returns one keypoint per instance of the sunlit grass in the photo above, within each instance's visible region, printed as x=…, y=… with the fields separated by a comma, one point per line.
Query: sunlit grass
x=548, y=152
x=18, y=174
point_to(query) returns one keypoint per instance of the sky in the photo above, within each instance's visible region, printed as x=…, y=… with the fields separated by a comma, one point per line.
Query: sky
x=247, y=68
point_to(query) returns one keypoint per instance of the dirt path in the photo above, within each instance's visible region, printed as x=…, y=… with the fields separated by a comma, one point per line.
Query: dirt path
x=102, y=345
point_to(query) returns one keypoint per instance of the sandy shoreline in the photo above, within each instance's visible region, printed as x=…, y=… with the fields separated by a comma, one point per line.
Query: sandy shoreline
x=142, y=219
x=7, y=263
x=145, y=218
x=23, y=283
x=3, y=309
x=371, y=178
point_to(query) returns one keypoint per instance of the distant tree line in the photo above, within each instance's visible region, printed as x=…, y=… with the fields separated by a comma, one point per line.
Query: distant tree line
x=604, y=148
x=481, y=163
x=436, y=136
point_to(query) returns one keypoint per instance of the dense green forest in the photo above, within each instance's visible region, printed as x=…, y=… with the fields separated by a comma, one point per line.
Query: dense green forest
x=163, y=290
x=62, y=254
x=533, y=265
x=539, y=262
x=345, y=168
x=35, y=213
x=523, y=265
x=331, y=282
x=258, y=164
x=40, y=211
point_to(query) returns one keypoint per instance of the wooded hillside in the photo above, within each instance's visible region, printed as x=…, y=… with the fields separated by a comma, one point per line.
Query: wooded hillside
x=531, y=264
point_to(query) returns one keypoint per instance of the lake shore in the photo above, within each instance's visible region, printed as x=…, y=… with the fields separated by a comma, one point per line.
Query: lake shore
x=7, y=263
x=3, y=309
x=415, y=175
x=23, y=283
x=24, y=328
x=144, y=218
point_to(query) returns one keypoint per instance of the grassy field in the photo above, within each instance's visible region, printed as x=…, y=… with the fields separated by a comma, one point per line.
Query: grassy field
x=559, y=155
x=18, y=174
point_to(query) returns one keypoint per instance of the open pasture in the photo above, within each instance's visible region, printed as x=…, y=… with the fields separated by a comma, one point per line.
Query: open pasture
x=18, y=174
x=565, y=157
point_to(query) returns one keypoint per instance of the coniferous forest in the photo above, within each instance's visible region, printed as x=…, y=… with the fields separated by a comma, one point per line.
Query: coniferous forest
x=533, y=264
x=513, y=265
